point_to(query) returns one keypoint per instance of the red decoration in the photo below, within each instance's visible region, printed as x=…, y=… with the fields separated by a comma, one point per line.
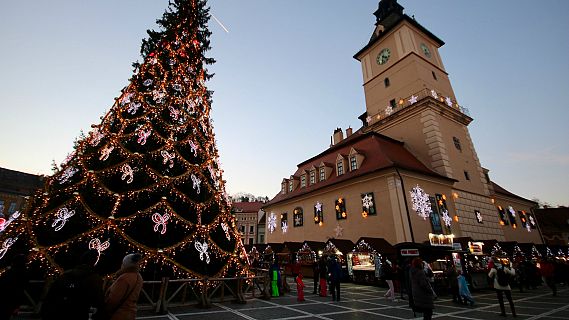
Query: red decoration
x=2, y=222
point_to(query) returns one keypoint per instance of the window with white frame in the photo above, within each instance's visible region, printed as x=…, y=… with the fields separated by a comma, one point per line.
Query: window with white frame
x=290, y=185
x=303, y=181
x=353, y=163
x=340, y=167
x=312, y=176
x=322, y=173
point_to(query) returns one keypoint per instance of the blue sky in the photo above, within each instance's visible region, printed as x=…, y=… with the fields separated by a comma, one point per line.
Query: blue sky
x=285, y=79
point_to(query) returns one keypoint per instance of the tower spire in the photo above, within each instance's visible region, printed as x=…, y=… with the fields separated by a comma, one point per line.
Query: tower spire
x=388, y=13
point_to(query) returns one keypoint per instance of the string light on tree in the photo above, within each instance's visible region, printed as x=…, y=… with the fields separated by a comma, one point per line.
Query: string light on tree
x=6, y=245
x=202, y=249
x=160, y=221
x=63, y=214
x=95, y=244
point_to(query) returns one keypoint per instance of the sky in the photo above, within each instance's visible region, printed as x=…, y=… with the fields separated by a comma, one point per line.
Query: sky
x=285, y=78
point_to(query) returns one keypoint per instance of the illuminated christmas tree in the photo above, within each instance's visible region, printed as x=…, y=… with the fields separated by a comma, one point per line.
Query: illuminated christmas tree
x=147, y=178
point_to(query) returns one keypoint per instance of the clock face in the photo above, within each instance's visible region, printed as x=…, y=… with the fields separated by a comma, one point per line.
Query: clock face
x=426, y=50
x=383, y=56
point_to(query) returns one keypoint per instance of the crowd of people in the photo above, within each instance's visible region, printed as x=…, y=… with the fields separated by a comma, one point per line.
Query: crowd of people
x=78, y=292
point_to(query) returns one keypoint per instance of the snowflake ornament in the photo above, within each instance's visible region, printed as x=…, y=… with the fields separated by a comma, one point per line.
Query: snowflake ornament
x=413, y=99
x=127, y=173
x=168, y=158
x=272, y=222
x=160, y=222
x=367, y=201
x=6, y=245
x=284, y=226
x=446, y=218
x=143, y=135
x=106, y=152
x=448, y=101
x=196, y=183
x=531, y=221
x=388, y=110
x=67, y=174
x=421, y=202
x=63, y=214
x=512, y=211
x=202, y=249
x=95, y=244
x=479, y=216
x=434, y=94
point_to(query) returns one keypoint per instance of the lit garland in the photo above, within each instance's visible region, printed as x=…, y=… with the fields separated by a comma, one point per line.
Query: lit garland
x=162, y=115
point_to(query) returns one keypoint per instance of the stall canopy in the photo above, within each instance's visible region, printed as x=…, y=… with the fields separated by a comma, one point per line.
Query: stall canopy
x=380, y=245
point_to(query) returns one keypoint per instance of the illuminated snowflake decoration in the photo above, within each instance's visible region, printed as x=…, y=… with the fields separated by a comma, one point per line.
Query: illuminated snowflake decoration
x=284, y=226
x=63, y=214
x=446, y=218
x=512, y=211
x=127, y=173
x=413, y=99
x=479, y=216
x=531, y=221
x=434, y=94
x=6, y=245
x=67, y=174
x=202, y=249
x=95, y=244
x=388, y=110
x=106, y=152
x=448, y=101
x=367, y=201
x=421, y=203
x=160, y=222
x=528, y=227
x=272, y=222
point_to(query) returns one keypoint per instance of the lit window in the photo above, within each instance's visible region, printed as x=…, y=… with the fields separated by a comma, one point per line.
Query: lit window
x=353, y=163
x=457, y=143
x=322, y=174
x=340, y=168
x=312, y=176
x=303, y=181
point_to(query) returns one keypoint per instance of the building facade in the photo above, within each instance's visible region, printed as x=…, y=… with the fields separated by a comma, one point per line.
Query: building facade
x=247, y=215
x=554, y=225
x=411, y=172
x=15, y=187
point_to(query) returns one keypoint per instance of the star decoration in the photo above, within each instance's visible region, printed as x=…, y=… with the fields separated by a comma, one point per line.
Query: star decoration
x=318, y=206
x=298, y=220
x=413, y=99
x=339, y=231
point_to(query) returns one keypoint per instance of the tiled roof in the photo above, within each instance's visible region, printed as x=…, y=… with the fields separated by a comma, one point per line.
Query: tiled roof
x=553, y=220
x=380, y=152
x=247, y=206
x=498, y=189
x=19, y=182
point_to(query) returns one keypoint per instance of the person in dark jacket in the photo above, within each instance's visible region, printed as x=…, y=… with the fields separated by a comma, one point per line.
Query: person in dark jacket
x=388, y=276
x=72, y=295
x=316, y=272
x=452, y=275
x=335, y=271
x=323, y=269
x=12, y=286
x=421, y=290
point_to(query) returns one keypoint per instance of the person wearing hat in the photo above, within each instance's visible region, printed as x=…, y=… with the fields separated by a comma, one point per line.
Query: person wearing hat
x=121, y=297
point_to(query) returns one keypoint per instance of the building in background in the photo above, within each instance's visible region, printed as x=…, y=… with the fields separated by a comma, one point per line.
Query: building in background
x=15, y=187
x=411, y=172
x=247, y=216
x=554, y=225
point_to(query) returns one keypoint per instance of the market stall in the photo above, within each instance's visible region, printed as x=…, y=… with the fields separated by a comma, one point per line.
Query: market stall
x=364, y=262
x=339, y=248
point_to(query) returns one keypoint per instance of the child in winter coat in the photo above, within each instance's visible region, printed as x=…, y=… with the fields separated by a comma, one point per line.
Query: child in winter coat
x=299, y=288
x=463, y=290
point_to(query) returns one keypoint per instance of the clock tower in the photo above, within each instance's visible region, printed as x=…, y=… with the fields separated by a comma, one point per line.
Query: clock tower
x=409, y=97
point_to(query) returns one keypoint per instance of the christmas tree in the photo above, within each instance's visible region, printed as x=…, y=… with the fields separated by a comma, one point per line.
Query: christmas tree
x=147, y=178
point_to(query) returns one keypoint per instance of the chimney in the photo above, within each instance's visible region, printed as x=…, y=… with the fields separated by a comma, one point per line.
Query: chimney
x=348, y=132
x=338, y=136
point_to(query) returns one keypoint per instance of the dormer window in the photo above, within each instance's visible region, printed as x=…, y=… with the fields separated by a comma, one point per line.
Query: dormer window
x=312, y=177
x=283, y=188
x=340, y=167
x=303, y=181
x=290, y=185
x=353, y=163
x=322, y=173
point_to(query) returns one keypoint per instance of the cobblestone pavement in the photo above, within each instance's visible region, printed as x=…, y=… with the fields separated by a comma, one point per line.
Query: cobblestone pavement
x=367, y=302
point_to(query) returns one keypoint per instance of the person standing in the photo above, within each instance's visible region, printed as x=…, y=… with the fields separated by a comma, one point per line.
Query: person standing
x=299, y=288
x=16, y=279
x=421, y=290
x=501, y=274
x=122, y=296
x=463, y=291
x=388, y=276
x=452, y=277
x=335, y=277
x=275, y=279
x=547, y=269
x=316, y=273
x=72, y=295
x=323, y=269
